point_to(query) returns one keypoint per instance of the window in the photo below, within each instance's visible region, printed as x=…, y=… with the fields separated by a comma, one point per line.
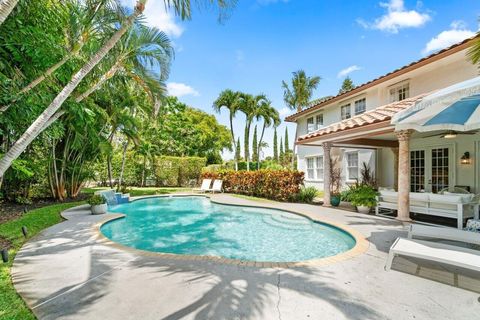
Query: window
x=352, y=165
x=315, y=168
x=417, y=171
x=400, y=92
x=360, y=106
x=319, y=167
x=346, y=111
x=314, y=123
x=310, y=125
x=319, y=121
x=311, y=168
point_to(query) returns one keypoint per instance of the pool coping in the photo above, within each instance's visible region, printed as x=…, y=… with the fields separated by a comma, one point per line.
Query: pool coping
x=361, y=243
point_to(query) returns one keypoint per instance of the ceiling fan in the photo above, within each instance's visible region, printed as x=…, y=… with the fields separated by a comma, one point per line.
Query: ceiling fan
x=451, y=134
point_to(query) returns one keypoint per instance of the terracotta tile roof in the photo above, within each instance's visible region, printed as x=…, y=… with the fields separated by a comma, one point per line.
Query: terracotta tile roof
x=380, y=114
x=412, y=66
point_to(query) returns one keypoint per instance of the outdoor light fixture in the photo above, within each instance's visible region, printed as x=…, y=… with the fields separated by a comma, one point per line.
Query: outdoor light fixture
x=4, y=255
x=465, y=159
x=450, y=135
x=24, y=231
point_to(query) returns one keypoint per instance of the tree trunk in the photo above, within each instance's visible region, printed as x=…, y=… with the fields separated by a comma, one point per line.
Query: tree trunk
x=6, y=7
x=37, y=126
x=235, y=160
x=143, y=170
x=247, y=144
x=124, y=157
x=109, y=170
x=260, y=146
x=110, y=73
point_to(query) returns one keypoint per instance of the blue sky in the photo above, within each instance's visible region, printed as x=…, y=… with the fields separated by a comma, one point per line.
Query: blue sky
x=264, y=41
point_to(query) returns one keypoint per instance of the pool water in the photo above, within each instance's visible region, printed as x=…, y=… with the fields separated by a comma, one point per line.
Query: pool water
x=196, y=226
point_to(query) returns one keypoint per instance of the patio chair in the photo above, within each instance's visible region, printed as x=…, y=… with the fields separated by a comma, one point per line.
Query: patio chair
x=205, y=185
x=434, y=251
x=217, y=186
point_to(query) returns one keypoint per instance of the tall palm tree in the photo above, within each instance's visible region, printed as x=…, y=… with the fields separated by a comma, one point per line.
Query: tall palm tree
x=250, y=106
x=143, y=50
x=270, y=116
x=298, y=96
x=474, y=52
x=300, y=93
x=181, y=7
x=230, y=100
x=6, y=7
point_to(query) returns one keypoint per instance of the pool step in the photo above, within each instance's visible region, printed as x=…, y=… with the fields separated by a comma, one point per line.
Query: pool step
x=280, y=221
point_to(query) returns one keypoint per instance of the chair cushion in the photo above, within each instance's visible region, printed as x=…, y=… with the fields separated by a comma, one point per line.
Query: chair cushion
x=451, y=198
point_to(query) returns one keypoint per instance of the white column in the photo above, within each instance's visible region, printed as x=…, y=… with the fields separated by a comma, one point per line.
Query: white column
x=326, y=173
x=403, y=174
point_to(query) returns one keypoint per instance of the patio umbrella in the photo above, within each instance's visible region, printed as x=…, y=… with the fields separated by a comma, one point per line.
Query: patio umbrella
x=455, y=108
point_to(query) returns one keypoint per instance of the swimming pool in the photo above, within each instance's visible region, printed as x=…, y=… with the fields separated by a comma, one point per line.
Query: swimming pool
x=196, y=226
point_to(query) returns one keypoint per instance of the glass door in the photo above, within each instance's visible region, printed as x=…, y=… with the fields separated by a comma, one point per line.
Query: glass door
x=439, y=178
x=417, y=171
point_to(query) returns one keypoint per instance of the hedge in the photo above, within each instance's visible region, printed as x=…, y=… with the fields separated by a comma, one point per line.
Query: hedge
x=177, y=171
x=281, y=185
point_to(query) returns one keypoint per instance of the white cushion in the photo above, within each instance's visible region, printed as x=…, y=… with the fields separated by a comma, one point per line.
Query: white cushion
x=450, y=198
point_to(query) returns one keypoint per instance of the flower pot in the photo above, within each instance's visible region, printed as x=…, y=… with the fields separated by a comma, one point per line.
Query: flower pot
x=335, y=201
x=363, y=209
x=99, y=209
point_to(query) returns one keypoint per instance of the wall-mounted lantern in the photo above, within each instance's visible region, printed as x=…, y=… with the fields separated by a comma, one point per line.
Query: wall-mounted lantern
x=465, y=159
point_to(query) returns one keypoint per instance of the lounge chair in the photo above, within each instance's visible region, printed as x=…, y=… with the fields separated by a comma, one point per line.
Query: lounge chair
x=217, y=186
x=434, y=251
x=205, y=185
x=417, y=230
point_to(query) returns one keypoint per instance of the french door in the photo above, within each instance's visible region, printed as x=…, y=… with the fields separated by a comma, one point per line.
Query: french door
x=431, y=169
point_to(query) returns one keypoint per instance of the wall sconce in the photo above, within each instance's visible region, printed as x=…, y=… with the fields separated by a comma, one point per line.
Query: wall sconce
x=465, y=159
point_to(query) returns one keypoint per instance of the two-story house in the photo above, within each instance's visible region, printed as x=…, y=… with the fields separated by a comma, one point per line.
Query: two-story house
x=357, y=126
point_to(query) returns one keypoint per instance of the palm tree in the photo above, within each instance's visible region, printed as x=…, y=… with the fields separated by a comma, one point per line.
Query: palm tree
x=85, y=21
x=270, y=117
x=298, y=96
x=143, y=50
x=474, y=52
x=6, y=7
x=250, y=106
x=230, y=100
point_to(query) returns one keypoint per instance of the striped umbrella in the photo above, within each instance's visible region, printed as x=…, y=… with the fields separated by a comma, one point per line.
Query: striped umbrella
x=456, y=108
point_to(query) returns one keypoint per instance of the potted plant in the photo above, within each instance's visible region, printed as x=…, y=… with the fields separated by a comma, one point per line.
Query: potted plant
x=98, y=204
x=364, y=197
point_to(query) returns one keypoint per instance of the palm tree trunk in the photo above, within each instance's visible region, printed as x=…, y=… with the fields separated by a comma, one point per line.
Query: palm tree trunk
x=247, y=143
x=110, y=73
x=6, y=7
x=260, y=146
x=124, y=157
x=235, y=160
x=37, y=126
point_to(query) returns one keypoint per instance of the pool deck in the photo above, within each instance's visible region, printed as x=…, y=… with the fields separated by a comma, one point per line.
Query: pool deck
x=69, y=272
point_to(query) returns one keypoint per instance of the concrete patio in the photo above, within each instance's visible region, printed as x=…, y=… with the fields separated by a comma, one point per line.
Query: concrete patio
x=67, y=272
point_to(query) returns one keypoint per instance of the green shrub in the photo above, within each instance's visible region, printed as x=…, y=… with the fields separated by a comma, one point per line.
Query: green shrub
x=96, y=200
x=363, y=195
x=307, y=194
x=280, y=185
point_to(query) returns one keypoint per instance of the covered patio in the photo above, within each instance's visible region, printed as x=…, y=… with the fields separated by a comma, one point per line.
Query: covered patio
x=407, y=161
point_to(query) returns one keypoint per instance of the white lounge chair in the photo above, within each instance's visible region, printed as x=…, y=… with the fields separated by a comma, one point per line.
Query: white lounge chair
x=217, y=186
x=434, y=251
x=205, y=185
x=417, y=230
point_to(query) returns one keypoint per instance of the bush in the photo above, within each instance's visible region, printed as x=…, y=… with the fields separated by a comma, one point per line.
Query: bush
x=177, y=171
x=307, y=194
x=96, y=200
x=282, y=185
x=363, y=195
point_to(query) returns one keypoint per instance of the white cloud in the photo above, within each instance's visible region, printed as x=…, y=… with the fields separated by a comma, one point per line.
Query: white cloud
x=284, y=111
x=345, y=72
x=457, y=33
x=181, y=89
x=397, y=17
x=157, y=16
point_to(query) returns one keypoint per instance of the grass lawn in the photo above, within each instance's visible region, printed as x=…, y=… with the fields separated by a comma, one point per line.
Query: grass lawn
x=145, y=191
x=11, y=305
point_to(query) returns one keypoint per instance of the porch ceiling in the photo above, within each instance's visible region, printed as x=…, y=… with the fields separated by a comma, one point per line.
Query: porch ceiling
x=359, y=129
